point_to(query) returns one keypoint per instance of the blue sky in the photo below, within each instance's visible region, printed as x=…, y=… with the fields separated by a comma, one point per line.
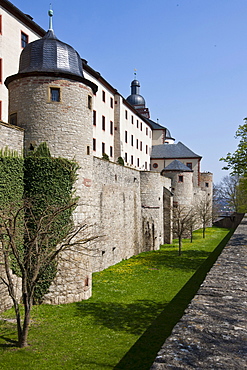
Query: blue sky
x=190, y=56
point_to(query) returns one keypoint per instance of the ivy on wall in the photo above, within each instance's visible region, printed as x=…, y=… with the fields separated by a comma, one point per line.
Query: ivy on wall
x=47, y=182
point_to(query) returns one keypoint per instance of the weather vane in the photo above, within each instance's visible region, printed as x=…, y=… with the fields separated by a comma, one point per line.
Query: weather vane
x=50, y=13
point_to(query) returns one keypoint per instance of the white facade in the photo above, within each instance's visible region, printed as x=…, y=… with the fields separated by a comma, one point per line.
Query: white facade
x=113, y=115
x=15, y=29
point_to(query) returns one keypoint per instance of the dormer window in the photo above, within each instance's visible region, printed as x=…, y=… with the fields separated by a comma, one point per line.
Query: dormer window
x=54, y=94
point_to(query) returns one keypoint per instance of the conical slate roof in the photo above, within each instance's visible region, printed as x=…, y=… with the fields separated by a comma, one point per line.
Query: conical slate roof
x=177, y=166
x=50, y=55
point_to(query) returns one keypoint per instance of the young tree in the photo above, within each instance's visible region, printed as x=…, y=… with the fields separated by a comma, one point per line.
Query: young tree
x=204, y=212
x=182, y=220
x=42, y=245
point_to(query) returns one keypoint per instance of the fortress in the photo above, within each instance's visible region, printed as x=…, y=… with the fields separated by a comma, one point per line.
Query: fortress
x=54, y=96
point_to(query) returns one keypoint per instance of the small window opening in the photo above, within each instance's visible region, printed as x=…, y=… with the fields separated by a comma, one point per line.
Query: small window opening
x=88, y=150
x=89, y=102
x=24, y=40
x=55, y=94
x=180, y=178
x=13, y=119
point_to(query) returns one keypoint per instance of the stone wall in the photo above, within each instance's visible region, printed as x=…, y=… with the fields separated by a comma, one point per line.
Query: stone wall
x=5, y=300
x=116, y=213
x=155, y=224
x=11, y=137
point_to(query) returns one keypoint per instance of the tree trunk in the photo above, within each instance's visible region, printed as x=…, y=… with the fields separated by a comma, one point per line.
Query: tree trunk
x=22, y=340
x=179, y=245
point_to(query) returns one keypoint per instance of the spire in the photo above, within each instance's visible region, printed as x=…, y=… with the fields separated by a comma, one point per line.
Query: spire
x=50, y=13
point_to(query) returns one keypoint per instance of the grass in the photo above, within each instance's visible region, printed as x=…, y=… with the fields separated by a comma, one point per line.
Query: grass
x=134, y=306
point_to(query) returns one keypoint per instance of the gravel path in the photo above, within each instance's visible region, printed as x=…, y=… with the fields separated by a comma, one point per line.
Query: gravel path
x=212, y=334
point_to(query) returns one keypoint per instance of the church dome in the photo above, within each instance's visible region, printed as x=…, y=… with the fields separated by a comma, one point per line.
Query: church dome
x=135, y=98
x=50, y=55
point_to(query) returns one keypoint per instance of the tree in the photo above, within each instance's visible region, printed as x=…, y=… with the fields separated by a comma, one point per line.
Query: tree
x=42, y=245
x=227, y=192
x=204, y=212
x=182, y=220
x=237, y=161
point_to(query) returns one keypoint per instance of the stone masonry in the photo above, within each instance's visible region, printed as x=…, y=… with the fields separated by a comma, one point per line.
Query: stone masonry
x=212, y=334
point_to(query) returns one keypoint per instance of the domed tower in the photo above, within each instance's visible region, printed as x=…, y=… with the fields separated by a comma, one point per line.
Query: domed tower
x=52, y=101
x=50, y=98
x=137, y=100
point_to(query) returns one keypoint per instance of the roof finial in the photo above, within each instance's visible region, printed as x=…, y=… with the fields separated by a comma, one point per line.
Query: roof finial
x=50, y=13
x=135, y=73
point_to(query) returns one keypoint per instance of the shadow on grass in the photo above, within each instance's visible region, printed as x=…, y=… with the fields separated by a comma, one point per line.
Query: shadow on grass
x=142, y=354
x=189, y=260
x=9, y=343
x=132, y=318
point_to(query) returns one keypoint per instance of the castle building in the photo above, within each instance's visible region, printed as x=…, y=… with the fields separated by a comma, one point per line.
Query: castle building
x=57, y=98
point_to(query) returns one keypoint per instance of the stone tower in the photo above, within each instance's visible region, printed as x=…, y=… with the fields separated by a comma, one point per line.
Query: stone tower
x=52, y=101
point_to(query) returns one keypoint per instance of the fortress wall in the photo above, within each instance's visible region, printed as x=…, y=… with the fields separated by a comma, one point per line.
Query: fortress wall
x=116, y=213
x=11, y=137
x=155, y=221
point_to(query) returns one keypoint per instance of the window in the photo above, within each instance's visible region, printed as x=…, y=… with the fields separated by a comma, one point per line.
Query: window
x=1, y=70
x=146, y=149
x=103, y=95
x=206, y=184
x=55, y=94
x=111, y=127
x=137, y=143
x=0, y=24
x=189, y=164
x=138, y=162
x=89, y=102
x=103, y=148
x=111, y=151
x=137, y=123
x=155, y=165
x=132, y=159
x=180, y=178
x=126, y=136
x=111, y=102
x=0, y=110
x=126, y=114
x=94, y=145
x=141, y=146
x=103, y=123
x=132, y=120
x=146, y=165
x=24, y=40
x=141, y=126
x=13, y=119
x=88, y=150
x=94, y=117
x=132, y=140
x=146, y=131
x=126, y=157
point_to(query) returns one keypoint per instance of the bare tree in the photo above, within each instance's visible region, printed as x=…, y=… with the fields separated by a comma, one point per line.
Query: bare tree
x=227, y=192
x=204, y=212
x=41, y=245
x=182, y=221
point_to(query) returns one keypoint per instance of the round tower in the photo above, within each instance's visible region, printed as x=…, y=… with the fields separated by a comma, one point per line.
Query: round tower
x=52, y=101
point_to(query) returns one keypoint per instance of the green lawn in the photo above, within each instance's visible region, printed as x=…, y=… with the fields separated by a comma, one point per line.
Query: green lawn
x=133, y=309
